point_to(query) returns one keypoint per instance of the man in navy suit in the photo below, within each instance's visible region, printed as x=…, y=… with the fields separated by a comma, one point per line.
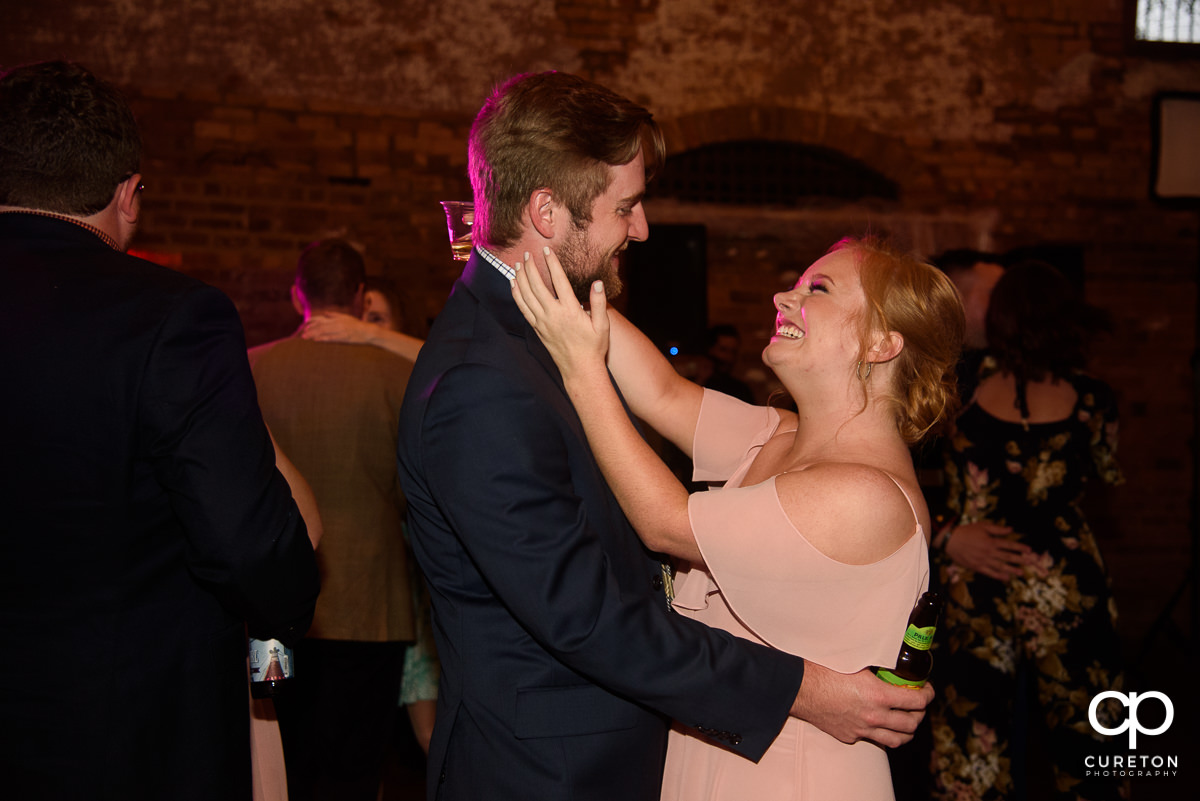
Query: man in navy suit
x=561, y=661
x=144, y=524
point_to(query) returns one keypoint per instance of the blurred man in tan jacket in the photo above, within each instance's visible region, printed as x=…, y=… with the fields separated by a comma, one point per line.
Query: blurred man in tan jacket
x=334, y=409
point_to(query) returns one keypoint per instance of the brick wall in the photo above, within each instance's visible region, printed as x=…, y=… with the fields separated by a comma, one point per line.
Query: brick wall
x=236, y=186
x=1004, y=124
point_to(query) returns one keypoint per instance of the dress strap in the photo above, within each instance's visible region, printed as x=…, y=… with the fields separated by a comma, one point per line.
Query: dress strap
x=904, y=492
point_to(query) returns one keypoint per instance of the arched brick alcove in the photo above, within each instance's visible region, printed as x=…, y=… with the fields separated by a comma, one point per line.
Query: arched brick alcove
x=887, y=155
x=755, y=249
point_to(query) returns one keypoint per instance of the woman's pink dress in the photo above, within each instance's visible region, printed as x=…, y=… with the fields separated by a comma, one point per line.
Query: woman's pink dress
x=767, y=584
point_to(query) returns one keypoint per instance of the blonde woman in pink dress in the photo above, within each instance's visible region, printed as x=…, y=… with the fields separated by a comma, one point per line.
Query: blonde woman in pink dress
x=816, y=542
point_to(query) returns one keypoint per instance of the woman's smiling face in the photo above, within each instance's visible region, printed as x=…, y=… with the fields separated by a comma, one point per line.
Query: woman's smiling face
x=817, y=321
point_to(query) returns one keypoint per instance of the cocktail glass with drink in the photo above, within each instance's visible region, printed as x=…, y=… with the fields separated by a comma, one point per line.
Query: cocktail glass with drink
x=460, y=216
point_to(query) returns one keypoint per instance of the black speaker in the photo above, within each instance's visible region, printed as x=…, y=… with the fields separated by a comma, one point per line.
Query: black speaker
x=667, y=286
x=1175, y=177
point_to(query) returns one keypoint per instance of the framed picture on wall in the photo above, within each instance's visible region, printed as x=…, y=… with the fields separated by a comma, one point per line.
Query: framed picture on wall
x=1175, y=162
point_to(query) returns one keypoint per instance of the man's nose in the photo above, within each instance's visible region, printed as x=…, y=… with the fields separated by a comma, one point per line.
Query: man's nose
x=639, y=229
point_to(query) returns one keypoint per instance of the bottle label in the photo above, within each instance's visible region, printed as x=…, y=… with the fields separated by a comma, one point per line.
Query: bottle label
x=892, y=678
x=919, y=638
x=270, y=660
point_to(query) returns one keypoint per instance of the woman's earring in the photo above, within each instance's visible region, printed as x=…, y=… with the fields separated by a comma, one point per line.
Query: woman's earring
x=858, y=371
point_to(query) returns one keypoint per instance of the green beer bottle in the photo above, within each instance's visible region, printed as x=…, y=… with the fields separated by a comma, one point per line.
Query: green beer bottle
x=914, y=662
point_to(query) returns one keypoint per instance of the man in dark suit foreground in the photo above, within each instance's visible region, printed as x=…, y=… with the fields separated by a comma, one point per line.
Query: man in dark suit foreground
x=144, y=523
x=561, y=662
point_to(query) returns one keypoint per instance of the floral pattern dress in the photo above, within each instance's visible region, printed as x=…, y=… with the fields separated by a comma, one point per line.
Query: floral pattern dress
x=1057, y=620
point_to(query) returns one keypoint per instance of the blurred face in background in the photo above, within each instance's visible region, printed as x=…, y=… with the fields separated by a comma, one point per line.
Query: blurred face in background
x=975, y=286
x=724, y=352
x=376, y=310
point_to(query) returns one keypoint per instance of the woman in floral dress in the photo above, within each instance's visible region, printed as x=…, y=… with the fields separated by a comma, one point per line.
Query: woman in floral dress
x=1024, y=582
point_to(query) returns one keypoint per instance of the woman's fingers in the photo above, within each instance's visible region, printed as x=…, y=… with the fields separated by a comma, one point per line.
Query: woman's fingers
x=537, y=284
x=535, y=299
x=562, y=284
x=535, y=287
x=525, y=294
x=544, y=308
x=599, y=309
x=521, y=293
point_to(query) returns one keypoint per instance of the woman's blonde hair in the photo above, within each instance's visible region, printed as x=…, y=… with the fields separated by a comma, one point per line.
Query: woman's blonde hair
x=921, y=304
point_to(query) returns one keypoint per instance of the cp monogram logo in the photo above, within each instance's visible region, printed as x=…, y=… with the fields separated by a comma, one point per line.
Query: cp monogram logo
x=1131, y=700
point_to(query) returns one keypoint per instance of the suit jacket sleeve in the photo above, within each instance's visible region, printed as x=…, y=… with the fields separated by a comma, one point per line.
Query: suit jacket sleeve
x=246, y=541
x=504, y=472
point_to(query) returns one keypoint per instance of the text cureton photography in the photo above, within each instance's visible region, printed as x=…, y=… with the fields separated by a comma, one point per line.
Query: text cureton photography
x=1132, y=765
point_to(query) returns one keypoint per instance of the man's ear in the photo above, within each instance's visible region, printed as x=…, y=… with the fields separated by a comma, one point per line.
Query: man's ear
x=887, y=347
x=128, y=200
x=544, y=212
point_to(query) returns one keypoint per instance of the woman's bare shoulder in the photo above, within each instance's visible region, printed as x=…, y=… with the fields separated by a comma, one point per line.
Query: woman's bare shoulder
x=852, y=512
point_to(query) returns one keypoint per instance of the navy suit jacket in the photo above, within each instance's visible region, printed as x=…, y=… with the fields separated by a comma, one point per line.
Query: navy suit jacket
x=142, y=525
x=561, y=662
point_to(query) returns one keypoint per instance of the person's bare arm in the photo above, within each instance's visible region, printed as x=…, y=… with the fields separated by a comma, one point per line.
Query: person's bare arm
x=338, y=327
x=654, y=390
x=301, y=492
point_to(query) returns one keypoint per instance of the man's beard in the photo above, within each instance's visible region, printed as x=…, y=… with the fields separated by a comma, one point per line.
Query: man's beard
x=584, y=265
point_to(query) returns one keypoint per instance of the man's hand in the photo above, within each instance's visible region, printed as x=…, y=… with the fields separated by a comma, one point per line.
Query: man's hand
x=860, y=706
